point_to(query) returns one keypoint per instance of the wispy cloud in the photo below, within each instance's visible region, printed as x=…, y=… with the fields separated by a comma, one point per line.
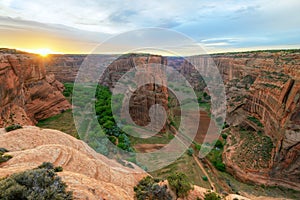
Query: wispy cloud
x=231, y=24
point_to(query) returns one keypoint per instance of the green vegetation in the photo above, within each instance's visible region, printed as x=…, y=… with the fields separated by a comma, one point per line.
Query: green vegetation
x=224, y=136
x=211, y=196
x=148, y=188
x=13, y=127
x=103, y=107
x=4, y=158
x=190, y=151
x=40, y=183
x=255, y=120
x=180, y=184
x=271, y=85
x=255, y=151
x=215, y=156
x=188, y=166
x=204, y=101
x=68, y=89
x=63, y=122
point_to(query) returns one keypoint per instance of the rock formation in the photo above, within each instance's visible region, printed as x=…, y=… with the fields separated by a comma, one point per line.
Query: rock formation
x=27, y=93
x=263, y=92
x=149, y=69
x=89, y=174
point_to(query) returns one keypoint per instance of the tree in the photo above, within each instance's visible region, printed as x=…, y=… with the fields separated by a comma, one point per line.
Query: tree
x=148, y=188
x=211, y=196
x=180, y=184
x=190, y=151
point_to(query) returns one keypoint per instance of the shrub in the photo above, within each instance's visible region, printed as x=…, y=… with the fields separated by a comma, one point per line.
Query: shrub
x=58, y=169
x=148, y=188
x=220, y=166
x=198, y=147
x=211, y=196
x=13, y=127
x=224, y=136
x=179, y=184
x=219, y=144
x=4, y=158
x=3, y=150
x=190, y=151
x=40, y=183
x=204, y=178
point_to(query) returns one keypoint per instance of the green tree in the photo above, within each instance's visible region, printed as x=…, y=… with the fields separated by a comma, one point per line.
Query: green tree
x=180, y=184
x=190, y=151
x=211, y=196
x=148, y=188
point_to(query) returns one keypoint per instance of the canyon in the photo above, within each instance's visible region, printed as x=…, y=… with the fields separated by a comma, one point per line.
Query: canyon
x=262, y=90
x=263, y=109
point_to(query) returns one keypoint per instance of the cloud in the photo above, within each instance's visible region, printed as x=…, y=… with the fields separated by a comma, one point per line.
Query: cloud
x=214, y=23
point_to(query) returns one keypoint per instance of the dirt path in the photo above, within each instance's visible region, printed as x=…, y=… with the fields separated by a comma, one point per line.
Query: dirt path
x=212, y=185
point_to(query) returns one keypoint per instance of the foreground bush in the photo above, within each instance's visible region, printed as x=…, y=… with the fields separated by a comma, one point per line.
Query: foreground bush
x=180, y=184
x=41, y=183
x=148, y=188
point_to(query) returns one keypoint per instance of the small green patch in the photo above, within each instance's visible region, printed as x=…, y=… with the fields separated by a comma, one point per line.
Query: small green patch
x=255, y=120
x=13, y=127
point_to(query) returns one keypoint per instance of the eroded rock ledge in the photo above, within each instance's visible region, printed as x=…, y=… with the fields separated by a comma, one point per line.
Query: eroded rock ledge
x=27, y=93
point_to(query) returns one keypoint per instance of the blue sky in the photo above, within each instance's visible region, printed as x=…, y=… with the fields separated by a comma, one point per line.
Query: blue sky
x=69, y=25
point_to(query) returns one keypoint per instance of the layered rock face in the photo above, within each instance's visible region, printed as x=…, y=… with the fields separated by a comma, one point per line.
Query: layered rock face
x=150, y=81
x=64, y=67
x=27, y=93
x=88, y=174
x=263, y=92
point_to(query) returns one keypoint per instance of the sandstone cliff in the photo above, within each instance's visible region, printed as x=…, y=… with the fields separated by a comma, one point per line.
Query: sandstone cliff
x=27, y=93
x=149, y=69
x=263, y=91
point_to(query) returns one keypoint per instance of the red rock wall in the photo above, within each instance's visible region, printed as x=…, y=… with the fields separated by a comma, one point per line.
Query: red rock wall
x=27, y=94
x=147, y=95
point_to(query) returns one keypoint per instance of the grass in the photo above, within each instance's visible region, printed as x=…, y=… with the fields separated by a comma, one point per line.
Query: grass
x=188, y=166
x=161, y=138
x=63, y=122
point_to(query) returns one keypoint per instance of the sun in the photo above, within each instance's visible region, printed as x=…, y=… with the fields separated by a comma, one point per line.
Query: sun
x=43, y=52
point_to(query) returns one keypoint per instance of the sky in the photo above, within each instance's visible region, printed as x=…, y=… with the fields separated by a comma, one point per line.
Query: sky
x=78, y=26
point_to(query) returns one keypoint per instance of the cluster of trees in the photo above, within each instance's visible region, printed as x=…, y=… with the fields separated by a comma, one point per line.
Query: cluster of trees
x=40, y=183
x=104, y=107
x=104, y=110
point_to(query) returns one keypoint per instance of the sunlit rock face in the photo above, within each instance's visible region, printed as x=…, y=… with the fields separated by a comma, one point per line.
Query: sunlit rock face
x=266, y=86
x=27, y=93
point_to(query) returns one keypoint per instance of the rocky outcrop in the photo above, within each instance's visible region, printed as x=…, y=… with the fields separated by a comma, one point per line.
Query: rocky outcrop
x=27, y=94
x=89, y=174
x=263, y=91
